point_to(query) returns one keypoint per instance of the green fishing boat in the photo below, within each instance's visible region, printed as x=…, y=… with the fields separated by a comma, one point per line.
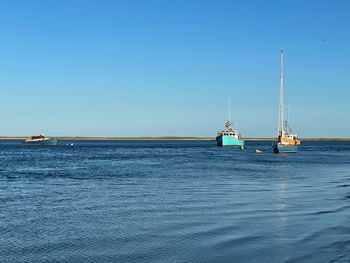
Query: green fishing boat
x=229, y=136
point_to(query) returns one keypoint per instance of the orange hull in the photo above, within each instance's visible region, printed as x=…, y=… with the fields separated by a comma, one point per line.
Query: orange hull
x=289, y=142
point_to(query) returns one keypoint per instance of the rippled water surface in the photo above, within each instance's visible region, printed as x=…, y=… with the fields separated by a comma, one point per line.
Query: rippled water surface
x=174, y=201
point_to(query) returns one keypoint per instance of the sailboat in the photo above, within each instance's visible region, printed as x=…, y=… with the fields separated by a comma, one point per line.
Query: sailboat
x=286, y=142
x=229, y=136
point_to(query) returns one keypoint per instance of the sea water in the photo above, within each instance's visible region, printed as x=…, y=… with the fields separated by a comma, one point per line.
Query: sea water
x=174, y=201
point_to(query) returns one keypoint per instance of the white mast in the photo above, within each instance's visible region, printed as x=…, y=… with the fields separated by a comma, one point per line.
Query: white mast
x=288, y=107
x=281, y=112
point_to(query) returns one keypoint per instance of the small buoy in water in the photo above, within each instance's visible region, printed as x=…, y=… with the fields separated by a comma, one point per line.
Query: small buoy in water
x=70, y=144
x=242, y=147
x=258, y=151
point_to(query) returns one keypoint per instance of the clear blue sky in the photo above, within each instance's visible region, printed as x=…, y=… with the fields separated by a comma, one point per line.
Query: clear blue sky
x=158, y=68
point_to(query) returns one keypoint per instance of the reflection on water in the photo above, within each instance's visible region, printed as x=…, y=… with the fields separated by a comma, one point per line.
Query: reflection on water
x=168, y=201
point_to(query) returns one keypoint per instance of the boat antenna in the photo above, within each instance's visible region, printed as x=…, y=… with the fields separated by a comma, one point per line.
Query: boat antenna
x=229, y=109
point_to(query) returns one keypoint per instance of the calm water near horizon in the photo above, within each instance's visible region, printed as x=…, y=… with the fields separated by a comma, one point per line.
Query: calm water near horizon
x=174, y=201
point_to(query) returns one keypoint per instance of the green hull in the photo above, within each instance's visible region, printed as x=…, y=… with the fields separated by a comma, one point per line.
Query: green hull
x=228, y=141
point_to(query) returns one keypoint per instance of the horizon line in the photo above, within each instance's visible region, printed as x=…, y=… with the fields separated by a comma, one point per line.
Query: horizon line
x=168, y=138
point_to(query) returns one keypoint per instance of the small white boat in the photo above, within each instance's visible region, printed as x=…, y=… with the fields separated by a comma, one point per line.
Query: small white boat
x=258, y=151
x=40, y=140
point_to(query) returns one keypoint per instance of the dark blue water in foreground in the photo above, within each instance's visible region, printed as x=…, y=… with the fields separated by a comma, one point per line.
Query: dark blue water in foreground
x=174, y=201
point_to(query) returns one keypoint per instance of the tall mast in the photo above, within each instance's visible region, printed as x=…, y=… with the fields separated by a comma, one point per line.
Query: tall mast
x=281, y=111
x=288, y=107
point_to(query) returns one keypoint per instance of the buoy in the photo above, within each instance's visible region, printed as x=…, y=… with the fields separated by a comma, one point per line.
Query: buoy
x=242, y=147
x=258, y=151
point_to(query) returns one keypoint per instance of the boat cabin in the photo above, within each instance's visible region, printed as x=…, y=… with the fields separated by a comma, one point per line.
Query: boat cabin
x=37, y=137
x=231, y=133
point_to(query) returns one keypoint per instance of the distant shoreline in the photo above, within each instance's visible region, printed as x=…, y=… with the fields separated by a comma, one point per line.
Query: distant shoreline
x=165, y=138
